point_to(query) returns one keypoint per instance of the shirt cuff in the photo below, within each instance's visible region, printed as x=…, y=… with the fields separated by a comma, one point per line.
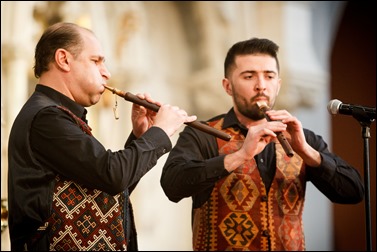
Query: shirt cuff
x=215, y=168
x=326, y=169
x=158, y=138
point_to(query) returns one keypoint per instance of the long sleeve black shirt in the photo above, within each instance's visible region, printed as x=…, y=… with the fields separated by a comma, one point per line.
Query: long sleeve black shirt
x=194, y=166
x=46, y=141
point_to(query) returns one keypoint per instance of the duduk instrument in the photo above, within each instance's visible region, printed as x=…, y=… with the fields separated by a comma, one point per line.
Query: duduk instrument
x=280, y=136
x=195, y=124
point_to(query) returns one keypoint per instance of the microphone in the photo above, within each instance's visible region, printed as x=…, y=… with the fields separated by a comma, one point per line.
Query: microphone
x=359, y=112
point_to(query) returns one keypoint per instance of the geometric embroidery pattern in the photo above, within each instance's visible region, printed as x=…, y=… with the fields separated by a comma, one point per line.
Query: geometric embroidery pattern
x=85, y=219
x=290, y=198
x=239, y=192
x=241, y=215
x=238, y=229
x=291, y=239
x=85, y=127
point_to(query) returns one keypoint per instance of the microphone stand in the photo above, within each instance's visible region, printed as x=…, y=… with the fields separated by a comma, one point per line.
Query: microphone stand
x=365, y=122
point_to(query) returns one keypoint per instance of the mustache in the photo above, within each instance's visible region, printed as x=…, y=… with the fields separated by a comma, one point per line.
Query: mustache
x=259, y=96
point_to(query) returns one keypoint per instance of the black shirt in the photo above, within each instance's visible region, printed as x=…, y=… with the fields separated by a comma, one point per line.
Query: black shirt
x=194, y=166
x=46, y=141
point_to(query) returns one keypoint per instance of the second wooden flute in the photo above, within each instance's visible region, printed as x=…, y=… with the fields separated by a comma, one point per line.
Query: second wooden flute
x=195, y=124
x=283, y=141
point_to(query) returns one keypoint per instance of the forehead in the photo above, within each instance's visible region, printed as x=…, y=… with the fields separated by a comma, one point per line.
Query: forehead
x=256, y=62
x=91, y=44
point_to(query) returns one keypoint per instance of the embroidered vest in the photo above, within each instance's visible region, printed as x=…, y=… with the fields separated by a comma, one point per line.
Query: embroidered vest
x=240, y=215
x=83, y=218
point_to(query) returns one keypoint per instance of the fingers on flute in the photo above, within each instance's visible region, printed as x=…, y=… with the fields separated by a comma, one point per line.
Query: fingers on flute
x=148, y=98
x=181, y=112
x=184, y=113
x=191, y=118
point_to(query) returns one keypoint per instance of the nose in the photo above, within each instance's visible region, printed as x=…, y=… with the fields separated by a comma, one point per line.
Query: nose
x=105, y=73
x=260, y=85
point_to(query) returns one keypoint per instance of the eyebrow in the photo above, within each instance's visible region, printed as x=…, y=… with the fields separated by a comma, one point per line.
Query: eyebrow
x=99, y=57
x=253, y=71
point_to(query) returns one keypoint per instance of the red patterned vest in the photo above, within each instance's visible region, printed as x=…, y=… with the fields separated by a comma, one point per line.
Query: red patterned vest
x=240, y=215
x=83, y=219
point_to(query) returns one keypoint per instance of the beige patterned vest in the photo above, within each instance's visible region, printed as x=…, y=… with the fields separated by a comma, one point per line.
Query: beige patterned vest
x=239, y=215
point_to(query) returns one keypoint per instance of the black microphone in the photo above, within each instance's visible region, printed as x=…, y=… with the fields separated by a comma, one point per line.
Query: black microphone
x=359, y=112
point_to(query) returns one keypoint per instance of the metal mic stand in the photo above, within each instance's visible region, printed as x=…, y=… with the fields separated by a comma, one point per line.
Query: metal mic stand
x=366, y=120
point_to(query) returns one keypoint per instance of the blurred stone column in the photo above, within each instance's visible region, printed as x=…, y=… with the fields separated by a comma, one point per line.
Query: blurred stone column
x=16, y=67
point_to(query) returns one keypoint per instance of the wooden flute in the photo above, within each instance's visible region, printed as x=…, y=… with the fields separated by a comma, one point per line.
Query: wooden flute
x=195, y=124
x=283, y=141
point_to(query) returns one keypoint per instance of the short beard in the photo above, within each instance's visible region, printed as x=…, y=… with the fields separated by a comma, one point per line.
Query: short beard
x=248, y=108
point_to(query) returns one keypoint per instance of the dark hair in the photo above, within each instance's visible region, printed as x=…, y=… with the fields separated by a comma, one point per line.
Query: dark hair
x=59, y=35
x=250, y=46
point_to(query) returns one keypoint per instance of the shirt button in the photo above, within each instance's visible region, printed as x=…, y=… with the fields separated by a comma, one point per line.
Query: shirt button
x=264, y=198
x=261, y=160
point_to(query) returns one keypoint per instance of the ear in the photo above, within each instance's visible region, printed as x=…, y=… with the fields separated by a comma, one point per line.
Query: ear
x=62, y=59
x=227, y=86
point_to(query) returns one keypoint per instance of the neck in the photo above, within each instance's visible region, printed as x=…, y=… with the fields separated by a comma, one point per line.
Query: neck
x=53, y=81
x=246, y=121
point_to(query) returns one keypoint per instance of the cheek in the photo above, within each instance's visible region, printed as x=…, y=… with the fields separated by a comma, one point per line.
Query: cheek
x=92, y=75
x=272, y=89
x=245, y=90
x=278, y=88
